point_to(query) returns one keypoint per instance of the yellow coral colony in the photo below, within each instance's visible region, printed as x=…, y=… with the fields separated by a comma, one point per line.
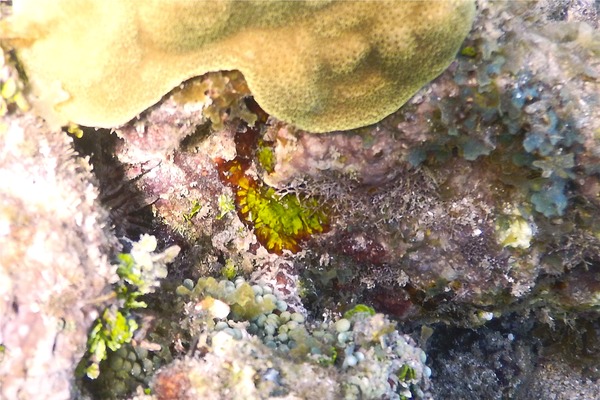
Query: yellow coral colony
x=321, y=65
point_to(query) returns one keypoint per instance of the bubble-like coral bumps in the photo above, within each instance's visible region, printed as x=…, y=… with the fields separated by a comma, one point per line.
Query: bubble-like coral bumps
x=320, y=65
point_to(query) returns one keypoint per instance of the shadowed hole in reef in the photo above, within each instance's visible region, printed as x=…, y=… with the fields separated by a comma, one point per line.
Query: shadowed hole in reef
x=130, y=214
x=501, y=355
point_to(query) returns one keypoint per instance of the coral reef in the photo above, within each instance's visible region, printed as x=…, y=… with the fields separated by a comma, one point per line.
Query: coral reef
x=325, y=265
x=140, y=272
x=116, y=347
x=318, y=65
x=472, y=202
x=498, y=201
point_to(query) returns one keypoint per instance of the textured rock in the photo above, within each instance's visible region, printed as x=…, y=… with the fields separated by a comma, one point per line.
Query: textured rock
x=53, y=259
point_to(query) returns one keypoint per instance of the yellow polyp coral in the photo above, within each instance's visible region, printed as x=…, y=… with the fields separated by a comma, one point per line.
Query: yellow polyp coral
x=321, y=65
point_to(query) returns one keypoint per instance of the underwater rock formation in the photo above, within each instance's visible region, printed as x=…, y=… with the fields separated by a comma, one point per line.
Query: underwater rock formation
x=259, y=349
x=505, y=192
x=467, y=219
x=55, y=244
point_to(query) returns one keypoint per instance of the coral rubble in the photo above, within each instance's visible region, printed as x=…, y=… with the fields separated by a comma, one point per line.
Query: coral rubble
x=265, y=351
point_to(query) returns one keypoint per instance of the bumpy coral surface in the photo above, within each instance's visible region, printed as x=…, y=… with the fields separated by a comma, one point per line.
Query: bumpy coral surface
x=316, y=64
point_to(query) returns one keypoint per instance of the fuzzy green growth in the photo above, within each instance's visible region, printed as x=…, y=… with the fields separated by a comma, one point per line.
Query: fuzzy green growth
x=230, y=270
x=468, y=51
x=131, y=283
x=358, y=309
x=139, y=273
x=226, y=205
x=11, y=88
x=112, y=330
x=196, y=207
x=265, y=156
x=406, y=373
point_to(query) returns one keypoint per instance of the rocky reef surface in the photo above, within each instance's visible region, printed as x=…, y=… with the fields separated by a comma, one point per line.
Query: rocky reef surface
x=206, y=249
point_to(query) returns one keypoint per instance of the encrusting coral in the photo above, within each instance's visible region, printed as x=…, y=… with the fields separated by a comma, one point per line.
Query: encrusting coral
x=319, y=65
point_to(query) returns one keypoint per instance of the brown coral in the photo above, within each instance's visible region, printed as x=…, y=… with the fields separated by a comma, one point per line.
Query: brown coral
x=319, y=65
